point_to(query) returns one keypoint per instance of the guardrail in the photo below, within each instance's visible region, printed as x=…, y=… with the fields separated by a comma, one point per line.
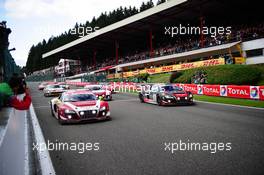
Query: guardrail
x=19, y=131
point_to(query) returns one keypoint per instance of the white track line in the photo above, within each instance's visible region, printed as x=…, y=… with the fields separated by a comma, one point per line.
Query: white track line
x=46, y=165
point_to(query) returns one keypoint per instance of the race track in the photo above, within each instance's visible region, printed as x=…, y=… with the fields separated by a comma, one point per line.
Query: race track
x=133, y=141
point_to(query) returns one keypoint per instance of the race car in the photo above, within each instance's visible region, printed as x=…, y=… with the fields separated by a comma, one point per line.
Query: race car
x=162, y=94
x=53, y=90
x=99, y=91
x=64, y=85
x=42, y=85
x=79, y=105
x=108, y=86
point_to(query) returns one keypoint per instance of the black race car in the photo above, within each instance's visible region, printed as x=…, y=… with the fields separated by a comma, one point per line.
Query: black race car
x=162, y=94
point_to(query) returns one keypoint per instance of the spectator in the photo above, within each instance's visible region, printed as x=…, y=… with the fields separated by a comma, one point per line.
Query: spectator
x=15, y=94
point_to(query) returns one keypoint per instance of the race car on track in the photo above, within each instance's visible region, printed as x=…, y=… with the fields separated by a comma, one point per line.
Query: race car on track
x=79, y=105
x=108, y=86
x=64, y=85
x=53, y=90
x=99, y=91
x=165, y=95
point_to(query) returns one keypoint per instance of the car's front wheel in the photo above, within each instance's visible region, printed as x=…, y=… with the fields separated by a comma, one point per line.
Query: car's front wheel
x=141, y=98
x=159, y=101
x=52, y=113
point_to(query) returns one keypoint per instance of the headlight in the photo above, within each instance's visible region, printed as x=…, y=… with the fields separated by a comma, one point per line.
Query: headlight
x=168, y=96
x=67, y=111
x=81, y=113
x=103, y=108
x=190, y=95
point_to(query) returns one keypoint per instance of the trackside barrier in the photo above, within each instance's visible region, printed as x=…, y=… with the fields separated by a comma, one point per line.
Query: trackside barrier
x=233, y=91
x=14, y=157
x=43, y=157
x=16, y=145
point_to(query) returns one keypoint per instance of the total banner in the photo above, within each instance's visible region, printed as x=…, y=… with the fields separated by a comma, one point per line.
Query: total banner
x=234, y=91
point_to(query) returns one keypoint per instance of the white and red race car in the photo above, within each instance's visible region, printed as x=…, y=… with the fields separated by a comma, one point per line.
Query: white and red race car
x=79, y=105
x=100, y=91
x=53, y=90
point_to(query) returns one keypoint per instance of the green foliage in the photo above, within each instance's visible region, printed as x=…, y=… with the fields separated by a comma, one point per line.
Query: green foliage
x=160, y=78
x=225, y=74
x=142, y=77
x=160, y=2
x=174, y=76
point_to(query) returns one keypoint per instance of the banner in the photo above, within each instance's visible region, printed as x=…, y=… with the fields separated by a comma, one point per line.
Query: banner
x=176, y=67
x=261, y=92
x=233, y=91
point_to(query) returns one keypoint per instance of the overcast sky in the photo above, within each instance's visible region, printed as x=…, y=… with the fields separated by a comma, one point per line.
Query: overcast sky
x=31, y=21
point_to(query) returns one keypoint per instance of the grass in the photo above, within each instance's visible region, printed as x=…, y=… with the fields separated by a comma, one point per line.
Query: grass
x=160, y=78
x=233, y=101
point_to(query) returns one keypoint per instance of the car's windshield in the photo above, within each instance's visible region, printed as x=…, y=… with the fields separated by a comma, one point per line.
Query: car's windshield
x=94, y=88
x=53, y=86
x=172, y=88
x=79, y=97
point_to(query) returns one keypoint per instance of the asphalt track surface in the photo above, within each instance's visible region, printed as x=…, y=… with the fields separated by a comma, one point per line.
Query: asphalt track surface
x=133, y=141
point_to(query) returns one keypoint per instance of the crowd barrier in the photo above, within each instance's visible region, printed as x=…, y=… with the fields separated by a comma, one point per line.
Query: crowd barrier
x=233, y=91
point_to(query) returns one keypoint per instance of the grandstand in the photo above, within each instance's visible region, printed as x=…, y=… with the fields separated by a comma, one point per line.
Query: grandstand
x=139, y=44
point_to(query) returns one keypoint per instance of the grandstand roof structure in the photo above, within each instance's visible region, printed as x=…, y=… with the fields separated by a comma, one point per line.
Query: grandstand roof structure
x=135, y=29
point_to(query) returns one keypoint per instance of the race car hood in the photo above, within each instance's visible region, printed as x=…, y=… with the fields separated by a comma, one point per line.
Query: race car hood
x=83, y=103
x=178, y=93
x=99, y=92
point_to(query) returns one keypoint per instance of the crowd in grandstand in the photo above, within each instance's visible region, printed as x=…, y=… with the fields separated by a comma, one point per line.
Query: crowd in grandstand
x=188, y=43
x=182, y=44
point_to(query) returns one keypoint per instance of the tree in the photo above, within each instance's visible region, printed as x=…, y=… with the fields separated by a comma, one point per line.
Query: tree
x=160, y=2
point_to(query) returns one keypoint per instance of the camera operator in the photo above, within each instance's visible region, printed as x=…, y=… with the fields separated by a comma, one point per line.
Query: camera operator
x=15, y=94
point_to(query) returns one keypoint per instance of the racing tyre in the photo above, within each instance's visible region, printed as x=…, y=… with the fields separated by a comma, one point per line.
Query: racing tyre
x=51, y=110
x=141, y=98
x=159, y=101
x=61, y=122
